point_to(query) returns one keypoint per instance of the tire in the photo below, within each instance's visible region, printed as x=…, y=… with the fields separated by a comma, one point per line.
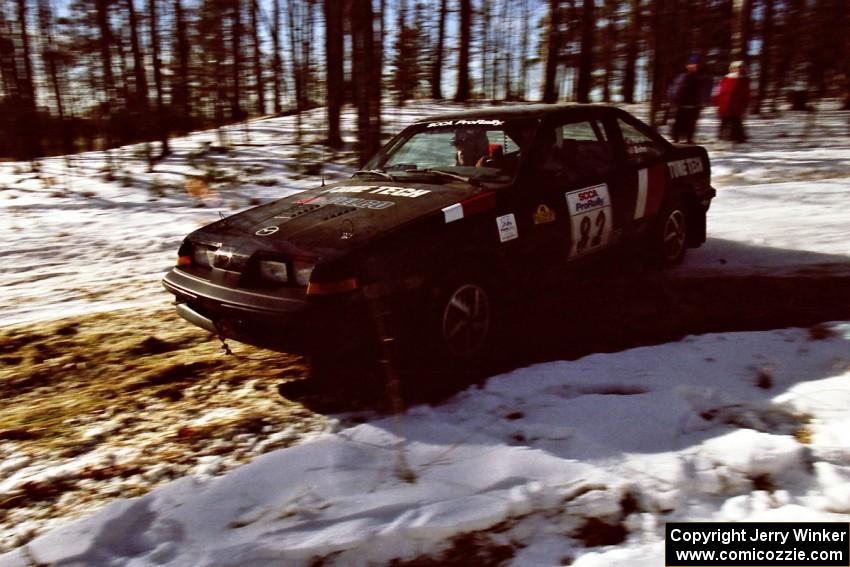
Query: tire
x=669, y=239
x=463, y=318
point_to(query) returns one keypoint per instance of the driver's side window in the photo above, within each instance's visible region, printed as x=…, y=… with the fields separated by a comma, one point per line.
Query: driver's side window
x=574, y=152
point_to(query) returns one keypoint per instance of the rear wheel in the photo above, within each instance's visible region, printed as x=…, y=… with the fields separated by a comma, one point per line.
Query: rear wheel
x=668, y=242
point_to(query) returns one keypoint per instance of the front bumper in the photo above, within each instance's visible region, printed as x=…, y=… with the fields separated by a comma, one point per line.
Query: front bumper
x=296, y=324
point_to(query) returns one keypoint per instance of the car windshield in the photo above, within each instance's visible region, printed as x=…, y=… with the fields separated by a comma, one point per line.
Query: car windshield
x=447, y=150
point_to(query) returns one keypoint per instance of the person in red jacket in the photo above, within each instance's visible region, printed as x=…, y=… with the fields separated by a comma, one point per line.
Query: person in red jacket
x=733, y=97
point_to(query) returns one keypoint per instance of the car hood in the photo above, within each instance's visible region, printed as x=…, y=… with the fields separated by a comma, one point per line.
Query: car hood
x=327, y=221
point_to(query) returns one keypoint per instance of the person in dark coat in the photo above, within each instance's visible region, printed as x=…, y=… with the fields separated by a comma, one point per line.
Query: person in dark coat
x=686, y=96
x=733, y=98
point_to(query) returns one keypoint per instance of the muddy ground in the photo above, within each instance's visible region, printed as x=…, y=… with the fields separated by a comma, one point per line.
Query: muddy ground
x=112, y=405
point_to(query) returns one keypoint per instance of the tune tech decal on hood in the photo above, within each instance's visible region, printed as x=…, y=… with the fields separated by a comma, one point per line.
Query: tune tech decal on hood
x=381, y=190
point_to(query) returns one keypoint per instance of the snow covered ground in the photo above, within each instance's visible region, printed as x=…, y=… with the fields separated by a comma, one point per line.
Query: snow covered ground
x=565, y=462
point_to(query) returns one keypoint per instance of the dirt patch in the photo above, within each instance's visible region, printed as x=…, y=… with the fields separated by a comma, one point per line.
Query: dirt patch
x=112, y=405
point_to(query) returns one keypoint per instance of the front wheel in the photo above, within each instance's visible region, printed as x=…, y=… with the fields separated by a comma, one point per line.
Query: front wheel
x=463, y=318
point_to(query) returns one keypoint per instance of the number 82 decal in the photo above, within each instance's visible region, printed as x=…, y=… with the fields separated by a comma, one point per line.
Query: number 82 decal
x=590, y=215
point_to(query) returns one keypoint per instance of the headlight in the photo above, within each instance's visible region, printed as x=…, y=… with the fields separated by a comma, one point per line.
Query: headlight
x=302, y=270
x=275, y=271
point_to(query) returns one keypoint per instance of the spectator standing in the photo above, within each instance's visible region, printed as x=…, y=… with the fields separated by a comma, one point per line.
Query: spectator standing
x=733, y=97
x=686, y=96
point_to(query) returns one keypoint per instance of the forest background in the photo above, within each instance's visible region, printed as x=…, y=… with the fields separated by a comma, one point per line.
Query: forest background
x=98, y=74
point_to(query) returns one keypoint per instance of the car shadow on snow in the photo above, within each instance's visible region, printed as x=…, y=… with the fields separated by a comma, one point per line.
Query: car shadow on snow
x=614, y=306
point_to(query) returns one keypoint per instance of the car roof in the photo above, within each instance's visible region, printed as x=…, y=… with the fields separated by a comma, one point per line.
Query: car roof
x=515, y=111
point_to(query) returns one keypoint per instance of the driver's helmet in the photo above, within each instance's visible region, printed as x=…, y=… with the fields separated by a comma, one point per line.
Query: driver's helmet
x=472, y=144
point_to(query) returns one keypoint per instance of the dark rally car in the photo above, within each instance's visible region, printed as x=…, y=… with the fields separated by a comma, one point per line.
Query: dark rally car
x=452, y=210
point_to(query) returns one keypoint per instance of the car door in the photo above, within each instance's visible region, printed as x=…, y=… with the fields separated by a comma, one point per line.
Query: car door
x=571, y=190
x=642, y=172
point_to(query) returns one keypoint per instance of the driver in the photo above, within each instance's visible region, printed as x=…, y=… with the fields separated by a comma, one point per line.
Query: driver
x=472, y=146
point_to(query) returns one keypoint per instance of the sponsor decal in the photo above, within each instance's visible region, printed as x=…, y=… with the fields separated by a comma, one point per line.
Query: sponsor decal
x=590, y=219
x=685, y=167
x=543, y=215
x=479, y=122
x=636, y=148
x=348, y=202
x=474, y=205
x=588, y=199
x=381, y=190
x=507, y=227
x=360, y=203
x=267, y=231
x=453, y=213
x=650, y=194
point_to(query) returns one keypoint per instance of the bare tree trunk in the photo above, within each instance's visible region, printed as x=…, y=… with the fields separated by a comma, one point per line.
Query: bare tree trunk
x=741, y=28
x=462, y=93
x=50, y=54
x=31, y=134
x=608, y=47
x=258, y=61
x=553, y=49
x=789, y=52
x=498, y=64
x=402, y=61
x=524, y=67
x=376, y=88
x=8, y=61
x=140, y=90
x=181, y=95
x=296, y=63
x=660, y=59
x=632, y=45
x=108, y=82
x=437, y=66
x=765, y=57
x=585, y=68
x=483, y=52
x=276, y=61
x=236, y=52
x=334, y=81
x=27, y=81
x=306, y=53
x=104, y=42
x=157, y=79
x=508, y=50
x=845, y=17
x=362, y=31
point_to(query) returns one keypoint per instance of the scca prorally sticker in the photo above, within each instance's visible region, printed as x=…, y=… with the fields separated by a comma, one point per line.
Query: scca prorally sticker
x=478, y=122
x=381, y=190
x=507, y=227
x=590, y=219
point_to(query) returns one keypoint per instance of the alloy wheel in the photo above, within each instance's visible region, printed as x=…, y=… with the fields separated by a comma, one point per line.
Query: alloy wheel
x=466, y=320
